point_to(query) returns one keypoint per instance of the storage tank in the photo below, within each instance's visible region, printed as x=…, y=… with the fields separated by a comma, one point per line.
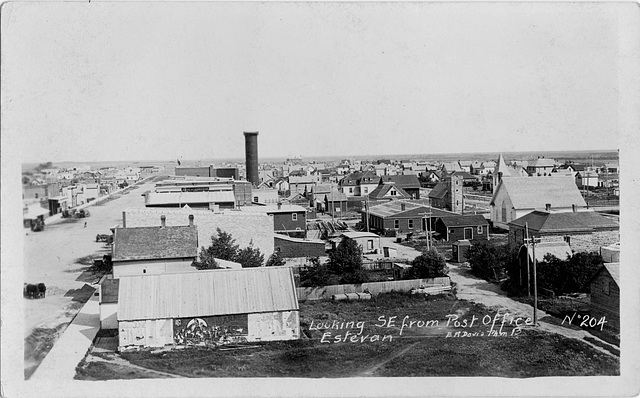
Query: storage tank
x=251, y=156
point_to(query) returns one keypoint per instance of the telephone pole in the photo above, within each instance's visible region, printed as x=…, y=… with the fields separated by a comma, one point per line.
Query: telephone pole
x=533, y=241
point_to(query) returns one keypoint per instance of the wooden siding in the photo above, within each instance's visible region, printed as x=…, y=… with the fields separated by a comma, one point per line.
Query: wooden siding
x=149, y=267
x=325, y=292
x=603, y=304
x=207, y=293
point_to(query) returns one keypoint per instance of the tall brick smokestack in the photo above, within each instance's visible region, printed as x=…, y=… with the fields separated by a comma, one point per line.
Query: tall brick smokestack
x=251, y=155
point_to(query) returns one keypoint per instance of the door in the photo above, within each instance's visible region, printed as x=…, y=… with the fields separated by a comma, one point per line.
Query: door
x=468, y=233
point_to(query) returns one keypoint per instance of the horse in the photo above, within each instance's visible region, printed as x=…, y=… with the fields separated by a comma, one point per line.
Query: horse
x=31, y=290
x=42, y=289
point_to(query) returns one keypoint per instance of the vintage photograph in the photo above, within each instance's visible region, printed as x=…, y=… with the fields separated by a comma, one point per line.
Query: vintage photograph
x=373, y=199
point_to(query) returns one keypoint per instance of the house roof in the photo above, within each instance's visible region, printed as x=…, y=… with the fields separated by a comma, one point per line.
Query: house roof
x=394, y=208
x=405, y=181
x=148, y=243
x=542, y=162
x=464, y=221
x=560, y=250
x=586, y=221
x=208, y=293
x=351, y=179
x=369, y=177
x=298, y=240
x=440, y=190
x=381, y=190
x=535, y=193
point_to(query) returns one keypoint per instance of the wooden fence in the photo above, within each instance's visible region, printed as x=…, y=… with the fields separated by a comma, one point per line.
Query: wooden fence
x=325, y=292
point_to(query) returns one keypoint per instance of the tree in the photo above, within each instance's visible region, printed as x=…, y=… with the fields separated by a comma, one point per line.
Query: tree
x=429, y=264
x=317, y=274
x=249, y=257
x=488, y=262
x=275, y=260
x=346, y=258
x=223, y=246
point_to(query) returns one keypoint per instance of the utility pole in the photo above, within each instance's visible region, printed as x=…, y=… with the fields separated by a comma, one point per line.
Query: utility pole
x=366, y=207
x=533, y=241
x=526, y=226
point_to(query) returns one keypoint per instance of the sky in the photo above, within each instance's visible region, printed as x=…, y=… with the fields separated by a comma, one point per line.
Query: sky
x=159, y=81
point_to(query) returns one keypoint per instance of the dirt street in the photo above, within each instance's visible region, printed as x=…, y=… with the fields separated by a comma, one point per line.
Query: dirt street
x=60, y=257
x=480, y=291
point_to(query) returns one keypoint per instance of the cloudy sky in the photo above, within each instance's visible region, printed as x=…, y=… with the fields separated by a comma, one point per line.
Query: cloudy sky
x=150, y=81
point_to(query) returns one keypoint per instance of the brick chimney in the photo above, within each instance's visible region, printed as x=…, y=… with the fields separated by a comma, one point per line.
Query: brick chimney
x=163, y=221
x=191, y=220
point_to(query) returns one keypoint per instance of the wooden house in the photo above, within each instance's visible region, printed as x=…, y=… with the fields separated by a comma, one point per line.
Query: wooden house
x=473, y=228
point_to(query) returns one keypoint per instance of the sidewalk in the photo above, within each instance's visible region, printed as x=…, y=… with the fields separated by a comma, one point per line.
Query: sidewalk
x=60, y=363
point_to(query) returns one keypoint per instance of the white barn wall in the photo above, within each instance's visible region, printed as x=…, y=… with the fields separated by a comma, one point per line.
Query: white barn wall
x=108, y=315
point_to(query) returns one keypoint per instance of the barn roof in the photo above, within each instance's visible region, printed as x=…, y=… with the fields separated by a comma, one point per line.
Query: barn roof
x=207, y=293
x=536, y=192
x=147, y=243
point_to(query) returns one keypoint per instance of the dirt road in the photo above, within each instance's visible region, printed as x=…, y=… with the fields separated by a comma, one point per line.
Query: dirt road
x=60, y=257
x=480, y=291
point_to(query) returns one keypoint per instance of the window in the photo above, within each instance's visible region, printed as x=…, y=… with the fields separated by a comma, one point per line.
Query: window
x=294, y=217
x=392, y=192
x=366, y=189
x=256, y=199
x=410, y=224
x=567, y=239
x=504, y=211
x=396, y=224
x=479, y=229
x=370, y=244
x=350, y=190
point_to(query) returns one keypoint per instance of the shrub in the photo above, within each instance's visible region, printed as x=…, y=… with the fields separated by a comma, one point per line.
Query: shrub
x=429, y=264
x=489, y=262
x=275, y=260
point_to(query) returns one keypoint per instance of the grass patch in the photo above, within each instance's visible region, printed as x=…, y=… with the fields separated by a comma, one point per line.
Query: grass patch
x=419, y=351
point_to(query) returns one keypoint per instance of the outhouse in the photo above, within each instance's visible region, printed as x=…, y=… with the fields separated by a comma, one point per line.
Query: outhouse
x=460, y=249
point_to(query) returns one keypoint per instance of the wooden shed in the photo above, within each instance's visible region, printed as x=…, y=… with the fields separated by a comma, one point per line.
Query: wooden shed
x=605, y=294
x=208, y=308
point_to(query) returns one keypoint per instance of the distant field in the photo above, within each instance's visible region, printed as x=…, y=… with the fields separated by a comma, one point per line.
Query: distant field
x=420, y=350
x=577, y=156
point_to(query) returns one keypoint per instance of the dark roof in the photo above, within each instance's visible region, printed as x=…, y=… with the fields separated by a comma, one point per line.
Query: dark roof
x=369, y=177
x=109, y=290
x=382, y=190
x=586, y=221
x=440, y=190
x=351, y=179
x=464, y=221
x=409, y=181
x=146, y=243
